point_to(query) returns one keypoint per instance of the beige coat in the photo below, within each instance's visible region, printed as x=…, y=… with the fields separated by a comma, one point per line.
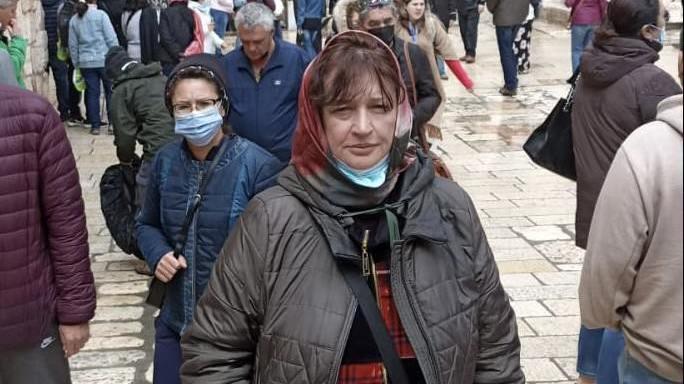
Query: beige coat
x=632, y=275
x=432, y=38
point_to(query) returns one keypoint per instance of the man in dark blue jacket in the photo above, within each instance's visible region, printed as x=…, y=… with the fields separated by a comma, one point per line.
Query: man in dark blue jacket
x=264, y=76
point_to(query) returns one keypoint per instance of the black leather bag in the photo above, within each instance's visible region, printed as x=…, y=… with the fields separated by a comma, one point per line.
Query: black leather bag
x=550, y=145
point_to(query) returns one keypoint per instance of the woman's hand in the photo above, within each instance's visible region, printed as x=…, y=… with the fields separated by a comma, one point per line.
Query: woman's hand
x=168, y=266
x=73, y=338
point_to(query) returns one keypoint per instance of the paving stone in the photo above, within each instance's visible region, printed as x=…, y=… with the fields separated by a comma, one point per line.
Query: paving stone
x=558, y=278
x=555, y=326
x=115, y=328
x=545, y=202
x=510, y=243
x=568, y=365
x=542, y=233
x=563, y=307
x=121, y=265
x=116, y=342
x=118, y=313
x=105, y=359
x=517, y=254
x=529, y=308
x=98, y=267
x=541, y=370
x=519, y=280
x=499, y=233
x=553, y=219
x=515, y=196
x=129, y=288
x=543, y=293
x=523, y=328
x=118, y=300
x=493, y=204
x=536, y=211
x=104, y=376
x=548, y=346
x=115, y=256
x=149, y=373
x=118, y=276
x=569, y=267
x=504, y=222
x=522, y=266
x=561, y=252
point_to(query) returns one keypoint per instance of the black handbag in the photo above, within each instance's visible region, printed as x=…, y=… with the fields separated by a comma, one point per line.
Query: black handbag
x=550, y=145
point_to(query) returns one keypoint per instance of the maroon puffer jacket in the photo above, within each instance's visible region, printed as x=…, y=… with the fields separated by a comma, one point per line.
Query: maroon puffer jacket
x=45, y=272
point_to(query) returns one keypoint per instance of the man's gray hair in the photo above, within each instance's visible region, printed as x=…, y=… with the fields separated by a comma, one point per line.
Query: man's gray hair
x=253, y=15
x=4, y=4
x=363, y=15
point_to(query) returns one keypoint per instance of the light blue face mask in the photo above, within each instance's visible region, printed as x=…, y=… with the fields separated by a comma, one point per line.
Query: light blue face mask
x=199, y=128
x=369, y=178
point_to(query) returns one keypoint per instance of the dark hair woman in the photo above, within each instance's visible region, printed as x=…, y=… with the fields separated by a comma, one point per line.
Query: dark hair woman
x=91, y=35
x=618, y=90
x=208, y=167
x=356, y=204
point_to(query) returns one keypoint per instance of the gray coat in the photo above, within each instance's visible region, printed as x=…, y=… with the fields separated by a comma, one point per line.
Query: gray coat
x=277, y=310
x=508, y=13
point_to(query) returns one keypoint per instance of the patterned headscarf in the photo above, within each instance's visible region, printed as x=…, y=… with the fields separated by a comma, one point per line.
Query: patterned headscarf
x=311, y=155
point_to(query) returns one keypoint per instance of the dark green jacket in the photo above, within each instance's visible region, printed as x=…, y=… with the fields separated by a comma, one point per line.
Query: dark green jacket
x=139, y=112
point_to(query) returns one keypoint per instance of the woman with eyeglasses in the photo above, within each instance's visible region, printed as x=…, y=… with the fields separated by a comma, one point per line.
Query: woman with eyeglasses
x=207, y=167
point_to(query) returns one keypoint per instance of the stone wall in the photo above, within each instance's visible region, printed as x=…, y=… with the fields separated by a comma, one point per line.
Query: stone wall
x=30, y=17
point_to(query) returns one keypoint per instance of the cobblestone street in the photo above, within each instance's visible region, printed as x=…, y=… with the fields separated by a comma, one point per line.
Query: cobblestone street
x=527, y=212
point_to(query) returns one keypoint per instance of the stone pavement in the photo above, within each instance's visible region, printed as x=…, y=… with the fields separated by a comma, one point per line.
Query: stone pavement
x=527, y=213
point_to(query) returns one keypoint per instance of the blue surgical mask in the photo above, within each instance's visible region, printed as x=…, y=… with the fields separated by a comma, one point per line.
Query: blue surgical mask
x=199, y=128
x=369, y=178
x=662, y=36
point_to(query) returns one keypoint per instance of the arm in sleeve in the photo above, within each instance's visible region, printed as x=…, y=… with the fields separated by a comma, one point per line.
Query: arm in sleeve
x=498, y=359
x=73, y=43
x=267, y=174
x=17, y=52
x=428, y=98
x=125, y=126
x=151, y=239
x=65, y=222
x=652, y=90
x=299, y=14
x=110, y=35
x=220, y=344
x=445, y=47
x=492, y=5
x=613, y=251
x=166, y=39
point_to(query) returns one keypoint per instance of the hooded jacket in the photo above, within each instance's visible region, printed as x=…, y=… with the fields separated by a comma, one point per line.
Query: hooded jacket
x=138, y=111
x=632, y=275
x=277, y=309
x=618, y=90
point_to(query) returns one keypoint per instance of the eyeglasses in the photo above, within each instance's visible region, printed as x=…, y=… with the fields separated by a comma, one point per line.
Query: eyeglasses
x=182, y=109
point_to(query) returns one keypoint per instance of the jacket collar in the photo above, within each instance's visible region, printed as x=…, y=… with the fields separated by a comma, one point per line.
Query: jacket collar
x=274, y=62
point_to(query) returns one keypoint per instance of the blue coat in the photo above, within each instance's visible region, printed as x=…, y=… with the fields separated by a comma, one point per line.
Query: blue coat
x=243, y=170
x=90, y=37
x=265, y=112
x=309, y=9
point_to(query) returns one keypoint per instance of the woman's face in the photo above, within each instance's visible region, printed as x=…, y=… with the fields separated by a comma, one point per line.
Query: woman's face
x=194, y=95
x=415, y=9
x=360, y=133
x=353, y=20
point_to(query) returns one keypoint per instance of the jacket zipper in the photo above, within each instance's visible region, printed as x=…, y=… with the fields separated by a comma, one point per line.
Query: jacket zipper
x=433, y=361
x=194, y=234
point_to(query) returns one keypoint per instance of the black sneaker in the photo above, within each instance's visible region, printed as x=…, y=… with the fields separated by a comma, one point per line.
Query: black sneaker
x=95, y=131
x=75, y=121
x=508, y=92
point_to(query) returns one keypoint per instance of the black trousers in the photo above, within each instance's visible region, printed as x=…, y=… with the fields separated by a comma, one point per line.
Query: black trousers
x=468, y=22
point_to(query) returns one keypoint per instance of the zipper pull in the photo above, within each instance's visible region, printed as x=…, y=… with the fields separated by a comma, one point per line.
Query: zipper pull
x=365, y=258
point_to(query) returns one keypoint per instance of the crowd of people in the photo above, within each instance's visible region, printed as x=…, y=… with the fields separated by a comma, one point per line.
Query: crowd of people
x=287, y=202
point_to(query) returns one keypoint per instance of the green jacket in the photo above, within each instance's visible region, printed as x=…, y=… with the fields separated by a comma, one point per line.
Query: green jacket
x=139, y=112
x=16, y=48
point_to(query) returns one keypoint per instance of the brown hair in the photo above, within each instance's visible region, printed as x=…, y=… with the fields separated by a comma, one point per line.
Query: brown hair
x=352, y=8
x=404, y=17
x=348, y=67
x=626, y=17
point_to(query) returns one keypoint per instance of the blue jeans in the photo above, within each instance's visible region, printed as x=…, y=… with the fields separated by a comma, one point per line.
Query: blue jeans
x=509, y=62
x=221, y=20
x=440, y=65
x=68, y=98
x=311, y=42
x=93, y=77
x=633, y=372
x=580, y=37
x=167, y=354
x=597, y=354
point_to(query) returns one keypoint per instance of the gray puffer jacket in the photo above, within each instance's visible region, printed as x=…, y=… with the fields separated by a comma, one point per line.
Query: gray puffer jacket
x=277, y=310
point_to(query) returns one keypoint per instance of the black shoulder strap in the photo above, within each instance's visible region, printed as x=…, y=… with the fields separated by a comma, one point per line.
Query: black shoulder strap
x=196, y=201
x=369, y=308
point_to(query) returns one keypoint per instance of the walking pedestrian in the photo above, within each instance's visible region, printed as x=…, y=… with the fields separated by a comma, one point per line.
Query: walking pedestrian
x=47, y=295
x=632, y=274
x=176, y=32
x=508, y=16
x=264, y=68
x=309, y=23
x=91, y=35
x=379, y=18
x=585, y=17
x=68, y=97
x=419, y=26
x=223, y=170
x=618, y=90
x=278, y=307
x=468, y=21
x=222, y=12
x=140, y=26
x=11, y=40
x=212, y=41
x=522, y=43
